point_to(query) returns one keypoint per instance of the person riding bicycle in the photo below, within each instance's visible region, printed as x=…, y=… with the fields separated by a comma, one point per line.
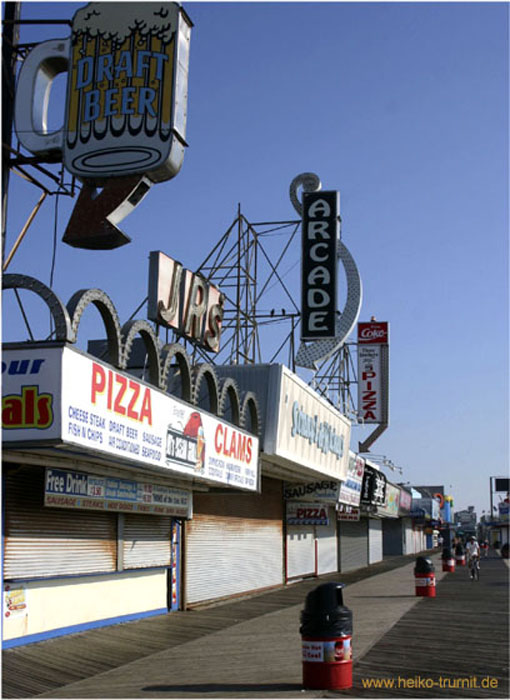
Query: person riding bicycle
x=473, y=553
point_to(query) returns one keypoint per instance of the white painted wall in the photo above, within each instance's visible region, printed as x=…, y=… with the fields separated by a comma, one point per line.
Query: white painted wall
x=65, y=602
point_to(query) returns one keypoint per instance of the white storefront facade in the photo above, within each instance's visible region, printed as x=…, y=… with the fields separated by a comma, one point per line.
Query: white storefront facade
x=304, y=447
x=100, y=471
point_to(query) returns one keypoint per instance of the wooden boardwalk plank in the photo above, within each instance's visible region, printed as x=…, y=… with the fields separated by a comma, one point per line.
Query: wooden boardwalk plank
x=461, y=634
x=106, y=648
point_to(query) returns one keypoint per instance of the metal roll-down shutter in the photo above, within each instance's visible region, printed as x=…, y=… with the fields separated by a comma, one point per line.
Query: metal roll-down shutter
x=393, y=537
x=146, y=541
x=234, y=543
x=375, y=541
x=301, y=554
x=327, y=544
x=408, y=536
x=353, y=544
x=41, y=541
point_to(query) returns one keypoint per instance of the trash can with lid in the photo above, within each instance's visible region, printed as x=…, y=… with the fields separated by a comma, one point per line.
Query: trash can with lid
x=425, y=578
x=326, y=633
x=448, y=560
x=460, y=555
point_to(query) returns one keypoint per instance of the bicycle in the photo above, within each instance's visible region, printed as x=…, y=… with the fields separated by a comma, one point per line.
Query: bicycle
x=474, y=568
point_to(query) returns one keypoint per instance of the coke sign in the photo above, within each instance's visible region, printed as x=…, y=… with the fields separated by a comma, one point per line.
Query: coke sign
x=373, y=332
x=373, y=372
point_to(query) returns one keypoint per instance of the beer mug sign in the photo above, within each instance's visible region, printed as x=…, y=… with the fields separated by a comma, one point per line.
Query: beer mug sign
x=126, y=95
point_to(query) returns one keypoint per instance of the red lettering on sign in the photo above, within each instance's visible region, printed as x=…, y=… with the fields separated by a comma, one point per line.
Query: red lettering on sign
x=217, y=438
x=123, y=395
x=146, y=410
x=231, y=443
x=98, y=381
x=28, y=410
x=117, y=406
x=311, y=513
x=136, y=392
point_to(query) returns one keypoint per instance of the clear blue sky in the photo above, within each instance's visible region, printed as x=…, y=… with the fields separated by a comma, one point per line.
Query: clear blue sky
x=403, y=107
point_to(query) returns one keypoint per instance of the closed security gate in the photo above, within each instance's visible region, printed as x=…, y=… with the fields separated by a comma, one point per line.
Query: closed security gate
x=419, y=541
x=353, y=542
x=409, y=536
x=375, y=541
x=327, y=545
x=146, y=541
x=234, y=544
x=301, y=551
x=312, y=549
x=393, y=537
x=41, y=542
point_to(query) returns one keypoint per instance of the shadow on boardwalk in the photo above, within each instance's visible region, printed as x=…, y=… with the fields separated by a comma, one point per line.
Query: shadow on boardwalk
x=30, y=670
x=452, y=645
x=457, y=643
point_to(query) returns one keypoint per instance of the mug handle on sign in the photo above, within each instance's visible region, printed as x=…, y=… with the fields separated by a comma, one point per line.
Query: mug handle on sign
x=39, y=70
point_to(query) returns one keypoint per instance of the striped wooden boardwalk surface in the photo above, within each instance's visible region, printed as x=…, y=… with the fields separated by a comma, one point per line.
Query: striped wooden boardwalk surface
x=39, y=668
x=458, y=641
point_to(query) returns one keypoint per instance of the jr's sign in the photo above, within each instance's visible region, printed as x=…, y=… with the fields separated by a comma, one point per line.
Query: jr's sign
x=184, y=301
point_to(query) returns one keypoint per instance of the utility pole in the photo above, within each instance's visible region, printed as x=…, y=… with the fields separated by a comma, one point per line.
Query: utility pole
x=10, y=40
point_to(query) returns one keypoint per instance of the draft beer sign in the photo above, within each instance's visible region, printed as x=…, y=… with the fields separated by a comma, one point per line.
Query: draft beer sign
x=319, y=264
x=127, y=76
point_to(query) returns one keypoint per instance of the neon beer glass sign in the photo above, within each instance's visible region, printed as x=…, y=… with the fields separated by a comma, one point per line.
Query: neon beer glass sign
x=126, y=98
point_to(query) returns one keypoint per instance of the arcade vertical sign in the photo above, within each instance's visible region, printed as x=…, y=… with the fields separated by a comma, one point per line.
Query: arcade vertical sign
x=373, y=372
x=319, y=264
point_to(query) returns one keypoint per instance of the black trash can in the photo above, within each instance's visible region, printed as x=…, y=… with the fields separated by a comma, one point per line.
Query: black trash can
x=460, y=555
x=425, y=578
x=326, y=632
x=448, y=560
